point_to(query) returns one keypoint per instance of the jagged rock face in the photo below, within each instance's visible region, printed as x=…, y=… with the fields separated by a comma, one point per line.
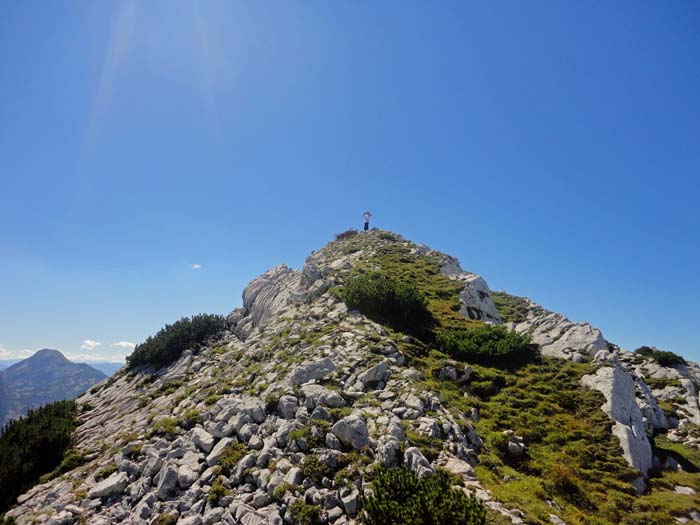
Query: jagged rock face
x=681, y=381
x=618, y=387
x=558, y=336
x=268, y=294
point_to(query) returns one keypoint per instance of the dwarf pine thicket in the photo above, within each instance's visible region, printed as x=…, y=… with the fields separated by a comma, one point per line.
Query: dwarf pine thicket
x=169, y=343
x=399, y=497
x=663, y=357
x=33, y=446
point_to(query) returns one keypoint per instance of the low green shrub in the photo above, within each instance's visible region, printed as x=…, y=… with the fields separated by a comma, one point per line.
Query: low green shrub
x=488, y=345
x=165, y=519
x=401, y=498
x=389, y=301
x=169, y=343
x=562, y=480
x=165, y=426
x=106, y=472
x=303, y=513
x=190, y=418
x=512, y=309
x=218, y=490
x=346, y=234
x=231, y=455
x=315, y=469
x=663, y=357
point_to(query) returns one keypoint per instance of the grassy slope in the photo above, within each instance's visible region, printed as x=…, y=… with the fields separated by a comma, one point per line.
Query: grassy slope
x=574, y=467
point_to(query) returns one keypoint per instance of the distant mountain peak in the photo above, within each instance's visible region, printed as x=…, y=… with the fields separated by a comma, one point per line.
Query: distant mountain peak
x=48, y=353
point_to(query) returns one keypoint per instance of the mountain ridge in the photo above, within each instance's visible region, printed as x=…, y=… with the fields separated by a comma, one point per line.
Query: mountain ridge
x=44, y=377
x=256, y=425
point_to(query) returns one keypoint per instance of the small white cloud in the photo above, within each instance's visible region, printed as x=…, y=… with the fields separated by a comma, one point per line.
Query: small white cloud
x=25, y=353
x=124, y=344
x=4, y=353
x=196, y=266
x=89, y=344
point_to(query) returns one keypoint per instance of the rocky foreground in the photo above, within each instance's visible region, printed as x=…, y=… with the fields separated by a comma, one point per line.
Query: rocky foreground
x=316, y=395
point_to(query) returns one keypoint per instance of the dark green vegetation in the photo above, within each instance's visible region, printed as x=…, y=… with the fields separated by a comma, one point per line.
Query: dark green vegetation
x=231, y=455
x=488, y=345
x=664, y=358
x=169, y=343
x=408, y=293
x=346, y=234
x=304, y=513
x=32, y=446
x=390, y=302
x=401, y=498
x=165, y=519
x=512, y=309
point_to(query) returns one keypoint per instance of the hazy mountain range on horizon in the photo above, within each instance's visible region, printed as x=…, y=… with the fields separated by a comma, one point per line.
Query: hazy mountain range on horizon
x=106, y=367
x=44, y=377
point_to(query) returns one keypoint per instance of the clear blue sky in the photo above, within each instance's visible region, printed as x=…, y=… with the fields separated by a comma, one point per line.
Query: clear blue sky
x=553, y=147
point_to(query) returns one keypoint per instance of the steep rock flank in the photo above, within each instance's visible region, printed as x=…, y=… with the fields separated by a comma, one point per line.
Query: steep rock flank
x=618, y=387
x=557, y=335
x=269, y=293
x=670, y=383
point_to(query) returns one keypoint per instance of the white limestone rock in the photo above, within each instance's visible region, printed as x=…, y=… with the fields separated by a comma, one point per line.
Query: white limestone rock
x=310, y=371
x=417, y=462
x=352, y=431
x=618, y=387
x=114, y=484
x=270, y=293
x=559, y=337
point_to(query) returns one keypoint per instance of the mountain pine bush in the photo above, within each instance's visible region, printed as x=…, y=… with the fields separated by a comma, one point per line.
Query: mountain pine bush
x=488, y=345
x=389, y=301
x=346, y=234
x=663, y=357
x=32, y=446
x=402, y=498
x=169, y=343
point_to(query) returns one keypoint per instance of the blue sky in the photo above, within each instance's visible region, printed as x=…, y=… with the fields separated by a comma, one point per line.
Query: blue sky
x=553, y=147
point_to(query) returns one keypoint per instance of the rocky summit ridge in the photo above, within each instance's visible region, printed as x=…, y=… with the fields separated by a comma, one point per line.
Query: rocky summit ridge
x=301, y=397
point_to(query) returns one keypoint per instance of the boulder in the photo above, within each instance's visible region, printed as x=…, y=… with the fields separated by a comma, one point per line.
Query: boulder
x=190, y=520
x=287, y=406
x=316, y=395
x=215, y=455
x=376, y=375
x=168, y=481
x=352, y=431
x=114, y=484
x=203, y=439
x=416, y=461
x=310, y=371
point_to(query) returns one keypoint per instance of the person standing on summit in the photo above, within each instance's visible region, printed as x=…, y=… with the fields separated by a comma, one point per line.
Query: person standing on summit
x=367, y=215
